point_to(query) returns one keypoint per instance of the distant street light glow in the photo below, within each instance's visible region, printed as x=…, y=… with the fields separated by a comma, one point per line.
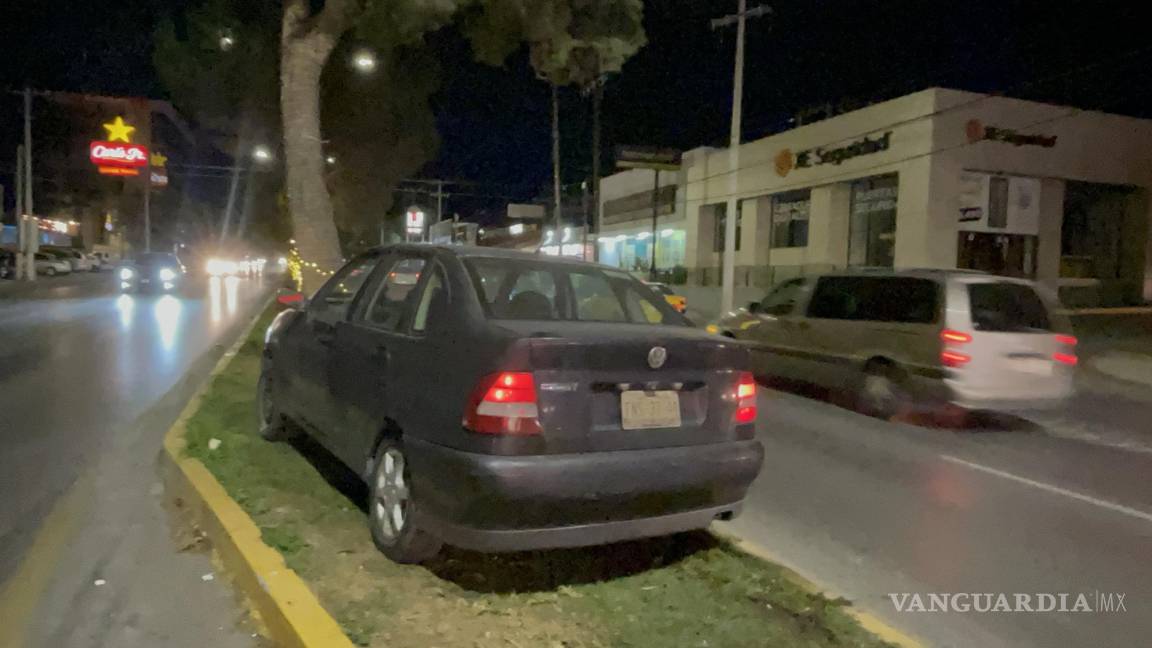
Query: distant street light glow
x=262, y=154
x=364, y=61
x=226, y=42
x=331, y=159
x=516, y=229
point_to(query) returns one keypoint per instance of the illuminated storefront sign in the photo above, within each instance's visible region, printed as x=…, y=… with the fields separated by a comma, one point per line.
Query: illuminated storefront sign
x=786, y=160
x=117, y=155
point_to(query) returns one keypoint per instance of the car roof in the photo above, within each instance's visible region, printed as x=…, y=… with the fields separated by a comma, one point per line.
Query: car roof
x=479, y=252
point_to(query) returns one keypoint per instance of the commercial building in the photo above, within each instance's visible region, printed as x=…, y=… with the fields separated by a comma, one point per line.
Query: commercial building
x=939, y=178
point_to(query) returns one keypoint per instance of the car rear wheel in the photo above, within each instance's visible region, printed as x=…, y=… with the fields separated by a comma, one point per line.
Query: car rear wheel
x=273, y=425
x=50, y=271
x=395, y=530
x=882, y=392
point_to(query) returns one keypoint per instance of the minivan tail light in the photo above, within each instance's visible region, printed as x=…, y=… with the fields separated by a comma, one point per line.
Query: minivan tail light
x=954, y=359
x=1066, y=358
x=503, y=403
x=745, y=398
x=1067, y=340
x=955, y=337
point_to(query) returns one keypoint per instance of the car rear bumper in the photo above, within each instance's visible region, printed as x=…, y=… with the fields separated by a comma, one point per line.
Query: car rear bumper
x=511, y=503
x=1006, y=401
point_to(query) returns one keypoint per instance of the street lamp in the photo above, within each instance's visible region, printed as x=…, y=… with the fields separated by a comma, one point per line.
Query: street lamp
x=226, y=41
x=260, y=153
x=364, y=61
x=331, y=159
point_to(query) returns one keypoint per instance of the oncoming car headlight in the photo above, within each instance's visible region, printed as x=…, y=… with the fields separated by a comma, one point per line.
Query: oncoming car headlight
x=126, y=274
x=167, y=274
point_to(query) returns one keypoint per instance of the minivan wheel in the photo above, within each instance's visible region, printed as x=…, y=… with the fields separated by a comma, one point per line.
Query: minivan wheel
x=395, y=530
x=273, y=425
x=882, y=392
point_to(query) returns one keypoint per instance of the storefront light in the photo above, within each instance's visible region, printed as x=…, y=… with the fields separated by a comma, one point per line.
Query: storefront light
x=643, y=235
x=666, y=233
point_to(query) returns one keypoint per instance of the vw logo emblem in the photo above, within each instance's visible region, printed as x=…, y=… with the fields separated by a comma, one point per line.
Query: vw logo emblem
x=657, y=356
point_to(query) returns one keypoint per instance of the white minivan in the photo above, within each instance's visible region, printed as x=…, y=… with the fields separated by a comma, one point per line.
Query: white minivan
x=896, y=338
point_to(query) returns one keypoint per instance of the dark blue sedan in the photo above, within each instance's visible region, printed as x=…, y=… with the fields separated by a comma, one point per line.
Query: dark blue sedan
x=502, y=401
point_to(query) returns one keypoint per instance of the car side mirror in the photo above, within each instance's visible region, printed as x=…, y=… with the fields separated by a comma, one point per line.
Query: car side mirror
x=292, y=300
x=753, y=307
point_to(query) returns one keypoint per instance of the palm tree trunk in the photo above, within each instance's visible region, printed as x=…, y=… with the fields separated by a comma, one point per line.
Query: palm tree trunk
x=303, y=54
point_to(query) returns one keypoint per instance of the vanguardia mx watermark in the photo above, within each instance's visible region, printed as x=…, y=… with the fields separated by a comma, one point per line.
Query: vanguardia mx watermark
x=1092, y=602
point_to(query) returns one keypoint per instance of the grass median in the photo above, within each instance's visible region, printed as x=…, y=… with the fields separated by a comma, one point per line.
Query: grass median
x=685, y=590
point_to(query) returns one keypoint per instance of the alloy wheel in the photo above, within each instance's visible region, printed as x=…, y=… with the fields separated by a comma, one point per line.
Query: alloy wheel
x=390, y=494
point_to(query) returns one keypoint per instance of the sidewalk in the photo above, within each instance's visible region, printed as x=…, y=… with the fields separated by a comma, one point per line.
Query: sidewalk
x=1125, y=365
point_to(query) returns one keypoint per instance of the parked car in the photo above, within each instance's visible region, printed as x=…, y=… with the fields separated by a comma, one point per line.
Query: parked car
x=95, y=263
x=674, y=299
x=160, y=271
x=7, y=264
x=496, y=400
x=77, y=260
x=914, y=338
x=51, y=265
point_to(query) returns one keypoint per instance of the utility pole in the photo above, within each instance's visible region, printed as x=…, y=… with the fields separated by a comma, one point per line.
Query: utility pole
x=655, y=218
x=30, y=257
x=20, y=212
x=597, y=102
x=728, y=272
x=439, y=200
x=556, y=158
x=148, y=206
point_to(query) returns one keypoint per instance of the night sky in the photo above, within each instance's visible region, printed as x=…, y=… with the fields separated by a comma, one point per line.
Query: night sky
x=675, y=92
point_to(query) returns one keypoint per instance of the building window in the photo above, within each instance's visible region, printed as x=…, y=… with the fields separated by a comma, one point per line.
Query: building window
x=872, y=235
x=790, y=219
x=721, y=223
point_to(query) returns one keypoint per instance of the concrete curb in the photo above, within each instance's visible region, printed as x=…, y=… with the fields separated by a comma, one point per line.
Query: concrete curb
x=288, y=611
x=868, y=621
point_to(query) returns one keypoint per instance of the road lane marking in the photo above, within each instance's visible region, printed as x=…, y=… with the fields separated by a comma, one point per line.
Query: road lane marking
x=1111, y=506
x=20, y=596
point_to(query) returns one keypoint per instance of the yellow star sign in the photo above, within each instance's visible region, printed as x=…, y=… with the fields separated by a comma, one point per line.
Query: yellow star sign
x=118, y=131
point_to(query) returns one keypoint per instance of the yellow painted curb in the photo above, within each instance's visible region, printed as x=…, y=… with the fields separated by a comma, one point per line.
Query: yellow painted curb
x=868, y=621
x=285, y=607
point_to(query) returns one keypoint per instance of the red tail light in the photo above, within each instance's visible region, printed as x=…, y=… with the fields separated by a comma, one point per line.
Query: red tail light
x=745, y=398
x=954, y=359
x=949, y=357
x=1068, y=356
x=955, y=337
x=504, y=403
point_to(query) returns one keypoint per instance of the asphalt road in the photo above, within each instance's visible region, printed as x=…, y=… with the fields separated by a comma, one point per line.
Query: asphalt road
x=869, y=508
x=89, y=382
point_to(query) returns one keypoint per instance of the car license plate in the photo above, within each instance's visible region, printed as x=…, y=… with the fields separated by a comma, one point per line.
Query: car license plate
x=640, y=410
x=1038, y=366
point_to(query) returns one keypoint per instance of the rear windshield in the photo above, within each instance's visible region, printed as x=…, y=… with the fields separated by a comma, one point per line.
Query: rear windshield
x=156, y=258
x=522, y=289
x=1007, y=307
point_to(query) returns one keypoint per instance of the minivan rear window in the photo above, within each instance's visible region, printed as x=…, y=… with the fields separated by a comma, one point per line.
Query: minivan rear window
x=1008, y=308
x=525, y=289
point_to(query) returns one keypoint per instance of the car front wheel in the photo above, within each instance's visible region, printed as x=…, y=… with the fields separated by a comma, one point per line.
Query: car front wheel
x=394, y=529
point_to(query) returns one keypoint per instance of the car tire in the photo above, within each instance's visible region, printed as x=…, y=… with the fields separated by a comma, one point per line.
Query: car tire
x=395, y=530
x=273, y=425
x=50, y=272
x=882, y=391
